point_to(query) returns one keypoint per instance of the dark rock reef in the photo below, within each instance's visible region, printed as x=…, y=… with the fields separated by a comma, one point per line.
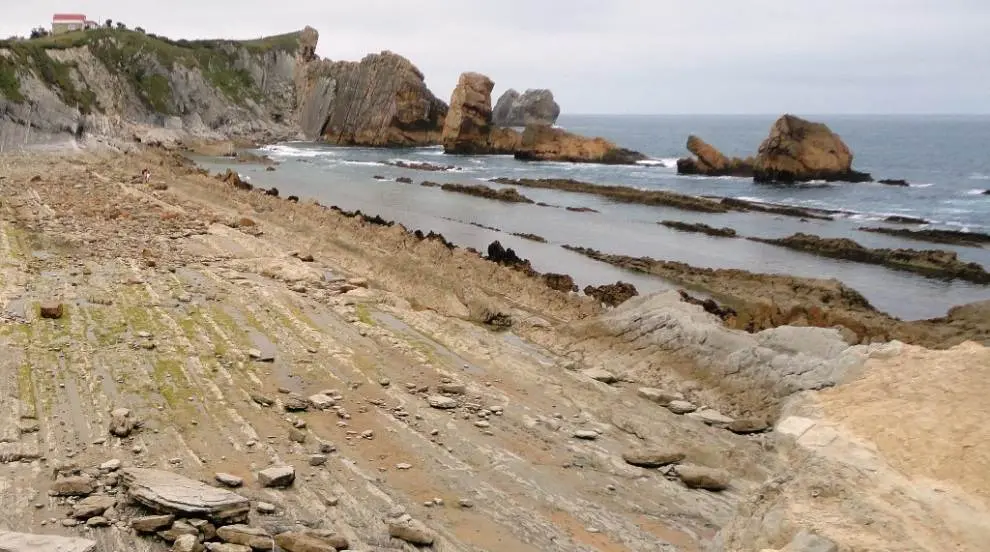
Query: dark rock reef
x=612, y=295
x=708, y=161
x=932, y=235
x=798, y=151
x=621, y=193
x=532, y=107
x=710, y=305
x=724, y=232
x=530, y=237
x=893, y=182
x=417, y=166
x=899, y=219
x=510, y=195
x=933, y=263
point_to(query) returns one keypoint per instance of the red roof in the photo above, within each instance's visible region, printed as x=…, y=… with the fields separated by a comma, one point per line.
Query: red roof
x=69, y=17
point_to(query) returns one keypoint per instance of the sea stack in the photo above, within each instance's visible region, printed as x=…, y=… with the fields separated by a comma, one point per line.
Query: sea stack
x=468, y=128
x=532, y=107
x=708, y=161
x=798, y=151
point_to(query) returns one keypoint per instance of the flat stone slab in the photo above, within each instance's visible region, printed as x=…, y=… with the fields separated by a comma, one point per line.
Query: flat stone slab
x=27, y=542
x=167, y=492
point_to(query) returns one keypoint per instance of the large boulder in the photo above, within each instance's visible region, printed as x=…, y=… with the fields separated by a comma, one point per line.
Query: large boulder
x=709, y=161
x=382, y=100
x=468, y=128
x=170, y=493
x=535, y=106
x=798, y=151
x=546, y=143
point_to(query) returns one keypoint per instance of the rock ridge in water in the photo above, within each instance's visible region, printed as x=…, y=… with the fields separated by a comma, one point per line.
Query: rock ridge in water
x=532, y=107
x=724, y=232
x=934, y=263
x=934, y=235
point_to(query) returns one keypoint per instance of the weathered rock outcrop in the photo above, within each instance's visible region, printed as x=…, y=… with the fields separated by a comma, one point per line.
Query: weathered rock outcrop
x=468, y=128
x=27, y=542
x=798, y=151
x=612, y=294
x=708, y=161
x=546, y=143
x=934, y=263
x=532, y=107
x=380, y=101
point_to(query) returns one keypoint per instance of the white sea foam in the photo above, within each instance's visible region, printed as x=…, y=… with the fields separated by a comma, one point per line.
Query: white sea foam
x=979, y=176
x=363, y=163
x=923, y=185
x=668, y=163
x=285, y=150
x=976, y=191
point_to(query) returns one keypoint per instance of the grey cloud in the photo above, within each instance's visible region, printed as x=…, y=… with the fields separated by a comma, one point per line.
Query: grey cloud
x=630, y=56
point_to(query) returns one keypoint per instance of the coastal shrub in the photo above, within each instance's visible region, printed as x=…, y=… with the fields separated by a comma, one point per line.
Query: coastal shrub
x=26, y=55
x=10, y=84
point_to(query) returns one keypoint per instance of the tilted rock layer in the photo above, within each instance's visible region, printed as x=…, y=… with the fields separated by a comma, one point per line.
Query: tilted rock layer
x=380, y=101
x=534, y=106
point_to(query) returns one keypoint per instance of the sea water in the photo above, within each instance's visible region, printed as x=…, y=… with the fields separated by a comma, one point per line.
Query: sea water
x=945, y=159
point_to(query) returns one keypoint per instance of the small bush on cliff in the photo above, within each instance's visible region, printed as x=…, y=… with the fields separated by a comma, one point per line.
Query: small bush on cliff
x=10, y=85
x=26, y=55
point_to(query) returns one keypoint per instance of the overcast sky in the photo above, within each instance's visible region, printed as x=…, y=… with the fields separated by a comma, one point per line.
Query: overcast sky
x=626, y=56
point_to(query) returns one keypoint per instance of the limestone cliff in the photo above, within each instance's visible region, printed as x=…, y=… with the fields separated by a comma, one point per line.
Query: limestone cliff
x=121, y=84
x=532, y=107
x=115, y=83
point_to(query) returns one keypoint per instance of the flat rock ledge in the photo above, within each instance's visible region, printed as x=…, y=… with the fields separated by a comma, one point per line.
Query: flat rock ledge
x=174, y=494
x=27, y=542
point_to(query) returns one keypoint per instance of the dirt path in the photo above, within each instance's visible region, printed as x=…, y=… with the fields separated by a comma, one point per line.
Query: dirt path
x=187, y=306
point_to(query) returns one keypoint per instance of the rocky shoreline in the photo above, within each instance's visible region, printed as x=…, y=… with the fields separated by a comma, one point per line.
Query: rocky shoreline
x=763, y=301
x=171, y=343
x=931, y=263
